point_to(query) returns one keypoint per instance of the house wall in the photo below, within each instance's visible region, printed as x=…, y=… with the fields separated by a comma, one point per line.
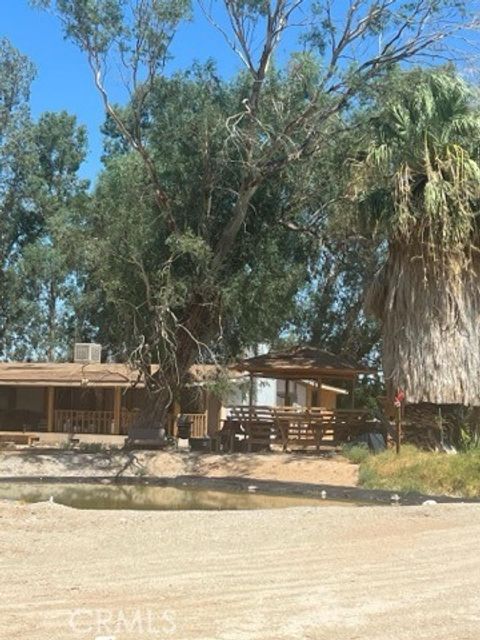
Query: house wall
x=266, y=392
x=296, y=390
x=329, y=399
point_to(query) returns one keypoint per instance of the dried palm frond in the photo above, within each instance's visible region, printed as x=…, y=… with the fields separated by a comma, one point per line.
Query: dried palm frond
x=419, y=183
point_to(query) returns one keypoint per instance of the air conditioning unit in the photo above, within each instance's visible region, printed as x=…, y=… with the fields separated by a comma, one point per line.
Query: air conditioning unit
x=86, y=352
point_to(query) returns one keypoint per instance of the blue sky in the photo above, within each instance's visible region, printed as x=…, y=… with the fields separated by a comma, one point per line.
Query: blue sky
x=63, y=79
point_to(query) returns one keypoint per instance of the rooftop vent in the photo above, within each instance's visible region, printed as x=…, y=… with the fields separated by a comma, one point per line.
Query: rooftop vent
x=86, y=352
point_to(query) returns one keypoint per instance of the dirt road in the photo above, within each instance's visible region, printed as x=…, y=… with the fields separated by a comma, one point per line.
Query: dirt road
x=321, y=573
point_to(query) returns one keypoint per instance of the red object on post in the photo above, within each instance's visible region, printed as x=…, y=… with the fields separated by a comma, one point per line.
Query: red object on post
x=399, y=398
x=398, y=402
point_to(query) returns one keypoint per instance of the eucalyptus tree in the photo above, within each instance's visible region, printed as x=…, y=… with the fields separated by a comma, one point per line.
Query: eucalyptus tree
x=49, y=273
x=19, y=221
x=272, y=133
x=416, y=184
x=138, y=266
x=40, y=201
x=330, y=309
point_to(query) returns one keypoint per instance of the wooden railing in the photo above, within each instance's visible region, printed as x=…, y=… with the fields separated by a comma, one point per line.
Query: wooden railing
x=299, y=426
x=199, y=423
x=101, y=422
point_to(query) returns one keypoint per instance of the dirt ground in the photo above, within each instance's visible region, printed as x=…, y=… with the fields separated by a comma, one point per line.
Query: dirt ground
x=382, y=573
x=270, y=466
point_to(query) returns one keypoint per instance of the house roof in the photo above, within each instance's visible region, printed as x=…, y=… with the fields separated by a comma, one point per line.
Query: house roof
x=67, y=374
x=74, y=374
x=303, y=362
x=205, y=373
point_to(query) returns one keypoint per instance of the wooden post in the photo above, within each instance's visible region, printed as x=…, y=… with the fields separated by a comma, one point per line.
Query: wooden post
x=117, y=409
x=50, y=409
x=251, y=391
x=399, y=403
x=176, y=409
x=287, y=393
x=309, y=395
x=398, y=429
x=250, y=413
x=352, y=401
x=319, y=392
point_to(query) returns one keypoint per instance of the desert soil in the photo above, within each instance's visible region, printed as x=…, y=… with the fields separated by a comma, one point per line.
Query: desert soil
x=271, y=466
x=381, y=573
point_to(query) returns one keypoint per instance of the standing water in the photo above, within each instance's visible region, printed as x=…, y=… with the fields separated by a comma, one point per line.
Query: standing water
x=143, y=497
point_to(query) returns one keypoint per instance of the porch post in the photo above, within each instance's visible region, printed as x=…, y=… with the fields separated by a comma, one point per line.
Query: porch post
x=319, y=392
x=308, y=390
x=117, y=409
x=287, y=393
x=250, y=409
x=352, y=401
x=50, y=408
x=251, y=391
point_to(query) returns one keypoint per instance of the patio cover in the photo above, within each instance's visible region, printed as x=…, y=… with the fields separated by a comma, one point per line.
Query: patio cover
x=307, y=363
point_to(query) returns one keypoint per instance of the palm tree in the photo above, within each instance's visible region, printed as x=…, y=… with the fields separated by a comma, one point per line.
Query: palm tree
x=418, y=186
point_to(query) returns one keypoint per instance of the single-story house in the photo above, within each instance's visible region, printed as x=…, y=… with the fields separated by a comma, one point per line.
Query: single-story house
x=103, y=398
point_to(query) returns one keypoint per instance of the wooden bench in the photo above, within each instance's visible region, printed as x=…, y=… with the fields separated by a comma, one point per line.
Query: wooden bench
x=145, y=438
x=19, y=438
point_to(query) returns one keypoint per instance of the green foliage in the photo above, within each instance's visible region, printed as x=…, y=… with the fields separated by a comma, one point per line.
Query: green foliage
x=213, y=190
x=330, y=311
x=139, y=32
x=49, y=272
x=357, y=453
x=19, y=221
x=419, y=178
x=430, y=473
x=469, y=440
x=40, y=202
x=142, y=265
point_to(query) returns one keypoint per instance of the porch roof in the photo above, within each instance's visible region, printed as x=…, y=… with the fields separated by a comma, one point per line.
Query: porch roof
x=67, y=374
x=307, y=363
x=75, y=374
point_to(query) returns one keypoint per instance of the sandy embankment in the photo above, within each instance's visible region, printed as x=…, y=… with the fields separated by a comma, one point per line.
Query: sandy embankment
x=272, y=466
x=382, y=573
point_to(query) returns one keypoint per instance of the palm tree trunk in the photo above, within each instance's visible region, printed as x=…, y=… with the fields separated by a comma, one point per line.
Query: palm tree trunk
x=429, y=311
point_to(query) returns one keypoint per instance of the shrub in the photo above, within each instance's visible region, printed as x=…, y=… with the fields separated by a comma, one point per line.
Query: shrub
x=427, y=472
x=356, y=453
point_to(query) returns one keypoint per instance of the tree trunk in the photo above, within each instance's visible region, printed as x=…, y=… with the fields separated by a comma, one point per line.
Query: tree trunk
x=429, y=312
x=173, y=372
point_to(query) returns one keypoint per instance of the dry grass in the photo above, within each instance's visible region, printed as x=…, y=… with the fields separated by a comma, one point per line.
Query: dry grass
x=427, y=472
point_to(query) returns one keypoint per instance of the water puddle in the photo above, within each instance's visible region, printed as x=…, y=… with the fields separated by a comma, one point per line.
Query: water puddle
x=142, y=497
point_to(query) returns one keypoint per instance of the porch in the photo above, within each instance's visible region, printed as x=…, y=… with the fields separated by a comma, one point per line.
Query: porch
x=293, y=428
x=93, y=422
x=69, y=398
